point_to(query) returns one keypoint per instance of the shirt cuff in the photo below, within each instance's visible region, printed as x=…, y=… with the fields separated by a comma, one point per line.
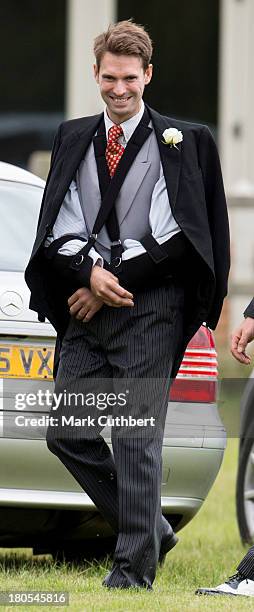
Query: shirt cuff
x=73, y=246
x=97, y=259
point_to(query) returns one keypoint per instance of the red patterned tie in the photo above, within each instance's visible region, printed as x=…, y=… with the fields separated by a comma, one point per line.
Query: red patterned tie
x=114, y=150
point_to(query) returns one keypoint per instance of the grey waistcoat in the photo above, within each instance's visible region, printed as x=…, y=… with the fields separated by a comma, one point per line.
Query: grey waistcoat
x=133, y=201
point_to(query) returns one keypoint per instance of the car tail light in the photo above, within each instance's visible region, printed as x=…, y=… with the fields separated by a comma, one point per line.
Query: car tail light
x=196, y=380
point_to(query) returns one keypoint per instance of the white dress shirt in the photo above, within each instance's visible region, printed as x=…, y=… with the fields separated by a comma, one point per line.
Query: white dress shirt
x=70, y=218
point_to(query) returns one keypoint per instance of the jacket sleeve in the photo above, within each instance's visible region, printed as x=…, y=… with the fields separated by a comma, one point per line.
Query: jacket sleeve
x=60, y=265
x=249, y=311
x=55, y=147
x=218, y=220
x=72, y=279
x=69, y=280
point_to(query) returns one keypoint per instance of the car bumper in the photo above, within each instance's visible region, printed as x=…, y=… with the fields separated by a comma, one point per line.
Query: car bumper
x=192, y=453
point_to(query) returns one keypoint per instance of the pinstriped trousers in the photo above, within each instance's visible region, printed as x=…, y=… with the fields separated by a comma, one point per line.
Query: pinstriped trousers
x=246, y=566
x=135, y=345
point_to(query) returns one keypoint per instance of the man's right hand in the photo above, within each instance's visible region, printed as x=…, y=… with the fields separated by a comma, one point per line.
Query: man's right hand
x=105, y=285
x=240, y=338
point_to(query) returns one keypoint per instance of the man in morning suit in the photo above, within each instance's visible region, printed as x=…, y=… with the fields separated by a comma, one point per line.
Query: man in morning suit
x=131, y=256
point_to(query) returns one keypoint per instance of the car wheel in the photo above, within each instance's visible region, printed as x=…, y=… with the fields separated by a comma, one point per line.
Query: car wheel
x=245, y=489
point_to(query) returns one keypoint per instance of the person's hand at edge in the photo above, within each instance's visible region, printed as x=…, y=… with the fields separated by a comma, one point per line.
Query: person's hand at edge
x=240, y=337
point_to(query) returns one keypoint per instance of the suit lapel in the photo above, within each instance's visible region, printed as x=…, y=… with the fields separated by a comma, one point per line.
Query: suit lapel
x=75, y=148
x=131, y=186
x=135, y=175
x=170, y=156
x=111, y=189
x=100, y=144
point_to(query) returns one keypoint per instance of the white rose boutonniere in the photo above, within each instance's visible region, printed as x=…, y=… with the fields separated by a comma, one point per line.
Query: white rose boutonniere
x=172, y=137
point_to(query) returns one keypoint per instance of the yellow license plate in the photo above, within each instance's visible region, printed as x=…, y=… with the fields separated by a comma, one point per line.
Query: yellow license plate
x=26, y=361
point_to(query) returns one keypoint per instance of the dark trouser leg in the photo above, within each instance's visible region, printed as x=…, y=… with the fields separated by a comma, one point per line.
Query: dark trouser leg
x=93, y=467
x=87, y=458
x=145, y=362
x=140, y=525
x=140, y=343
x=246, y=566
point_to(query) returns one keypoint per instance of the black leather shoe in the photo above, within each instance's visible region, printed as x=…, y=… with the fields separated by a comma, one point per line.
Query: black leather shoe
x=118, y=579
x=168, y=542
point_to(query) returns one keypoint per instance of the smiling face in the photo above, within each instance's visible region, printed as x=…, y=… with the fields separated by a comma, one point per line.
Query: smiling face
x=122, y=80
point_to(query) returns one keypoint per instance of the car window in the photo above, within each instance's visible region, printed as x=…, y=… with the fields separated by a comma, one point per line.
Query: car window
x=19, y=210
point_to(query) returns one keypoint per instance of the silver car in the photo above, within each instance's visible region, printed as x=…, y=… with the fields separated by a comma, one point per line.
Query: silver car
x=41, y=505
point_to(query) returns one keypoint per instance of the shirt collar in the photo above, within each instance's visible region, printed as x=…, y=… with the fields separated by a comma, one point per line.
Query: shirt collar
x=128, y=126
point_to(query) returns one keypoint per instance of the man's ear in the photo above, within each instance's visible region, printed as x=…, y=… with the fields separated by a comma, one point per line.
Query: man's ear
x=96, y=72
x=148, y=74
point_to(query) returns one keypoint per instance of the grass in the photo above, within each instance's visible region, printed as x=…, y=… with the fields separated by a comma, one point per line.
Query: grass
x=208, y=552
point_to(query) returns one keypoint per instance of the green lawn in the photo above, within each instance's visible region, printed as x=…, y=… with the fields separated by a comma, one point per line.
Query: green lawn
x=208, y=552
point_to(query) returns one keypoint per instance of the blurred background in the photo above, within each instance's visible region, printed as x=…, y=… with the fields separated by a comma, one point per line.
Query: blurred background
x=203, y=72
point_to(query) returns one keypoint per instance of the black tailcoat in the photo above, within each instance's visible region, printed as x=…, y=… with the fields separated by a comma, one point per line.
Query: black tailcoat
x=195, y=188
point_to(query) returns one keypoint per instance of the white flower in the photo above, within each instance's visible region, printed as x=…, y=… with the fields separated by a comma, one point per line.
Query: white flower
x=172, y=136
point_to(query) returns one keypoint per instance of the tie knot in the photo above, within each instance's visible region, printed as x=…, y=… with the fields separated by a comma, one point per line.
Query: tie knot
x=114, y=132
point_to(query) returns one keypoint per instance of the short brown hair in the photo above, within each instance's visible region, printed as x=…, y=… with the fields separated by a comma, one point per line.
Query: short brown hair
x=124, y=38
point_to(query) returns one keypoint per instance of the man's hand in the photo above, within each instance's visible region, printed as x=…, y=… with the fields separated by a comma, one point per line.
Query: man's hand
x=83, y=304
x=240, y=338
x=105, y=286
